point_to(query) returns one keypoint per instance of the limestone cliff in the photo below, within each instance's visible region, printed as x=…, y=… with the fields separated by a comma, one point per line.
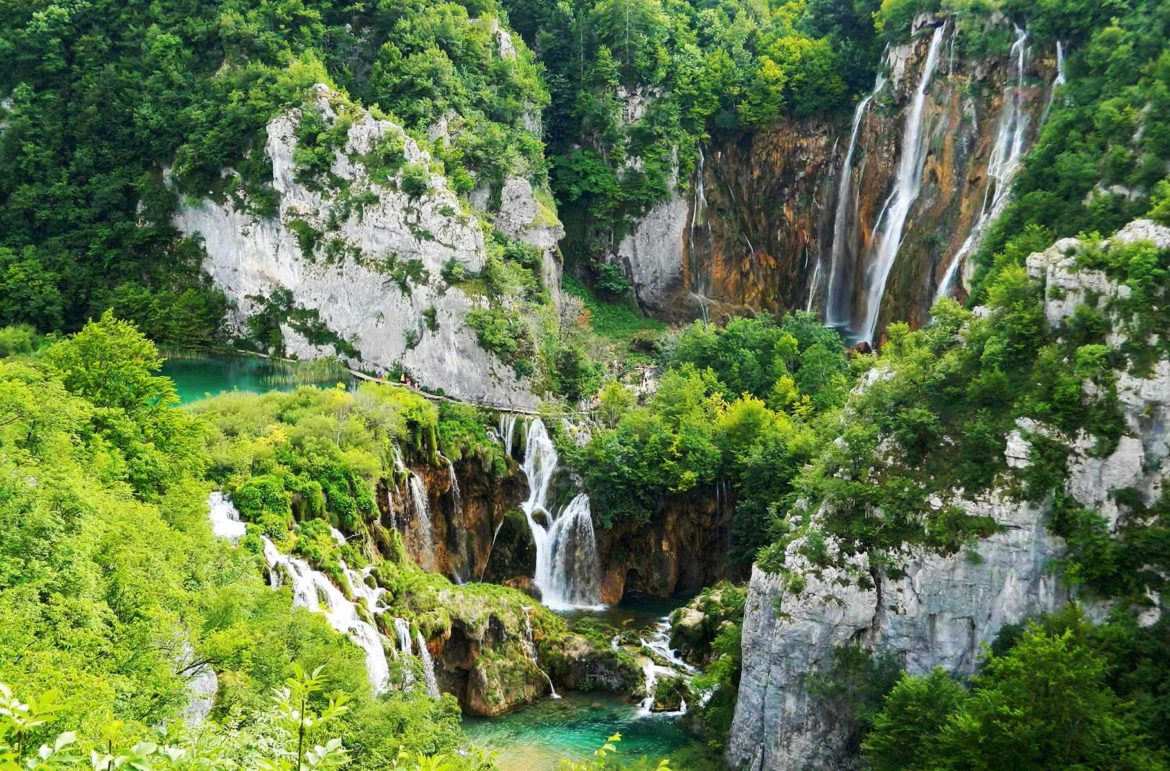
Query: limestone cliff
x=756, y=228
x=939, y=610
x=362, y=264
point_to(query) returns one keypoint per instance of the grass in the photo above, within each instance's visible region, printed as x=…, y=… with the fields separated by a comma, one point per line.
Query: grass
x=616, y=322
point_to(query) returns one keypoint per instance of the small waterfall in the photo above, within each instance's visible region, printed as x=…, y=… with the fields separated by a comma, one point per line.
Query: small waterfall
x=313, y=590
x=700, y=284
x=892, y=221
x=422, y=512
x=406, y=647
x=838, y=294
x=1057, y=82
x=225, y=519
x=1006, y=155
x=659, y=643
x=428, y=666
x=567, y=565
x=507, y=432
x=529, y=644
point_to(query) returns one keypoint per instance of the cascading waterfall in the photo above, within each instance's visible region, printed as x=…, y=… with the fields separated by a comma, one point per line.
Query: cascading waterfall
x=659, y=644
x=428, y=666
x=225, y=519
x=567, y=564
x=1006, y=154
x=529, y=645
x=892, y=221
x=313, y=590
x=838, y=294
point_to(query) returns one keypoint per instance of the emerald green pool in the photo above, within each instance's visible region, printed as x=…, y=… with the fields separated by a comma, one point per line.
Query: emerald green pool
x=538, y=736
x=197, y=378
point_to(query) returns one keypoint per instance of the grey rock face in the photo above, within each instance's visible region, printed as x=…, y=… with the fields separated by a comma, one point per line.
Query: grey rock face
x=937, y=615
x=653, y=254
x=945, y=607
x=354, y=294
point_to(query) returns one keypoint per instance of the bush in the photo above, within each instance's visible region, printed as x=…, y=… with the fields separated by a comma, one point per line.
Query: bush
x=416, y=179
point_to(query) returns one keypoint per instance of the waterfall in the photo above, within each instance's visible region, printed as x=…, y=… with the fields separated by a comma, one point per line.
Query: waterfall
x=892, y=221
x=700, y=286
x=567, y=565
x=422, y=512
x=462, y=571
x=428, y=666
x=1057, y=82
x=659, y=644
x=529, y=645
x=225, y=519
x=313, y=590
x=507, y=432
x=1006, y=154
x=838, y=294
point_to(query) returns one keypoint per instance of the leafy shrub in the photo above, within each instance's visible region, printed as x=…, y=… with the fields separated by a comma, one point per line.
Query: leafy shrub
x=416, y=179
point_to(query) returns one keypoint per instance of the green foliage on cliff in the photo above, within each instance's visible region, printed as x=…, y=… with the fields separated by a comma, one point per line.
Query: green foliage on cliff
x=637, y=85
x=940, y=402
x=735, y=405
x=1061, y=693
x=97, y=98
x=1104, y=147
x=114, y=593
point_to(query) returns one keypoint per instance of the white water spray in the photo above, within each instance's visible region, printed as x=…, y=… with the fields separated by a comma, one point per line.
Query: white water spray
x=313, y=590
x=892, y=221
x=507, y=432
x=225, y=519
x=567, y=565
x=1006, y=155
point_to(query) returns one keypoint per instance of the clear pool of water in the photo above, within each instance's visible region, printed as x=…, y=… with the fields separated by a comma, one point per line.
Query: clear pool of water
x=197, y=378
x=537, y=737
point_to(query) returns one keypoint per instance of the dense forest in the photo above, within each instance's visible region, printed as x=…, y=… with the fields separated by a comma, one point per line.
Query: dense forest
x=816, y=466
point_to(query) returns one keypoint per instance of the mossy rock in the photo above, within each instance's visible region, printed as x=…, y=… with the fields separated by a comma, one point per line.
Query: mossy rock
x=514, y=553
x=669, y=693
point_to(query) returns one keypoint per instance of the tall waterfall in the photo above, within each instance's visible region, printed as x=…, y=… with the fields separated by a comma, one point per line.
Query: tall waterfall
x=1006, y=154
x=462, y=572
x=700, y=283
x=892, y=221
x=422, y=512
x=838, y=296
x=568, y=571
x=1057, y=82
x=313, y=590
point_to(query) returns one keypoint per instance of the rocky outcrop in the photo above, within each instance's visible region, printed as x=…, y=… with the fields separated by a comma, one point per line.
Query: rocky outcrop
x=475, y=530
x=941, y=609
x=939, y=613
x=364, y=257
x=680, y=550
